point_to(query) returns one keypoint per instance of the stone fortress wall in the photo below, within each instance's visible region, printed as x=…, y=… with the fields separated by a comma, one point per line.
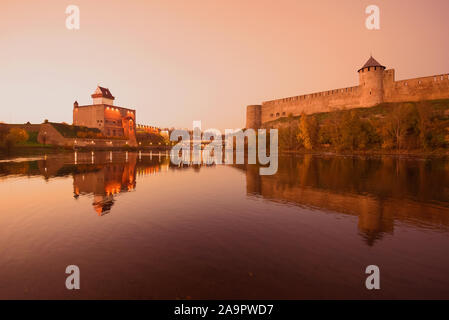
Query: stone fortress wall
x=376, y=85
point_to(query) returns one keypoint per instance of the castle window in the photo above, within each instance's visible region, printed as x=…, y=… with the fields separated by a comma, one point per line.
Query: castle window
x=272, y=115
x=283, y=113
x=277, y=114
x=369, y=68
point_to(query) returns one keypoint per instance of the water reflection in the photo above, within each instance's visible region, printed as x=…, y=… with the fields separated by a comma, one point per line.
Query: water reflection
x=102, y=175
x=105, y=180
x=302, y=233
x=381, y=191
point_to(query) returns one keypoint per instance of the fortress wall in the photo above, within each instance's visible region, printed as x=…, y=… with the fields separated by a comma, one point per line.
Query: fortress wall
x=426, y=88
x=377, y=85
x=49, y=135
x=311, y=103
x=28, y=127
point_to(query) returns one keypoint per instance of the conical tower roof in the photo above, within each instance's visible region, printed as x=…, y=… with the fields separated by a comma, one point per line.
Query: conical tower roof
x=372, y=63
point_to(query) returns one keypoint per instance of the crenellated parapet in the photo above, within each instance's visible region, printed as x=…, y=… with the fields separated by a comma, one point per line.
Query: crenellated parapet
x=376, y=85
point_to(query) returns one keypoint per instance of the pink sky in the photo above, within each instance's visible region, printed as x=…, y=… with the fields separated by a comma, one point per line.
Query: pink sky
x=179, y=61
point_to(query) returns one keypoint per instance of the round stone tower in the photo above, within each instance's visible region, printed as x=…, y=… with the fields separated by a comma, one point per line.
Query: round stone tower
x=253, y=117
x=371, y=83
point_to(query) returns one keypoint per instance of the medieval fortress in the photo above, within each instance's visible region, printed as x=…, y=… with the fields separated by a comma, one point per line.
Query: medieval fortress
x=376, y=85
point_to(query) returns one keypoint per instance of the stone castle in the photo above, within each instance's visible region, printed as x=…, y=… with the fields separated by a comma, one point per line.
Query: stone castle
x=376, y=85
x=112, y=121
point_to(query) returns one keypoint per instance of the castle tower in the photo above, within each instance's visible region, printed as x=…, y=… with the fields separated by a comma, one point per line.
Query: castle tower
x=371, y=83
x=102, y=96
x=254, y=117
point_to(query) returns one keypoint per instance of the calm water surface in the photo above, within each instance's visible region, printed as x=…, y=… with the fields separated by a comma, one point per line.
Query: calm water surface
x=139, y=227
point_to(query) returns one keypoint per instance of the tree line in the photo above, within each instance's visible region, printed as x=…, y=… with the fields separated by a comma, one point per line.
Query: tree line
x=404, y=126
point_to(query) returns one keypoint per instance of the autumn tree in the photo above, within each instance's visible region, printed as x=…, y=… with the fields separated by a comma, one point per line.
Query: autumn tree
x=14, y=136
x=308, y=131
x=399, y=123
x=288, y=134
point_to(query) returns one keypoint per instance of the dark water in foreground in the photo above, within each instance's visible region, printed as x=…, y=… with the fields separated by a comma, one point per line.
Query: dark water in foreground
x=141, y=228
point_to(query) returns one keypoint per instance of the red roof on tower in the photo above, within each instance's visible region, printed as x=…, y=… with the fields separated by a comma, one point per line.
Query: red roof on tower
x=101, y=92
x=372, y=63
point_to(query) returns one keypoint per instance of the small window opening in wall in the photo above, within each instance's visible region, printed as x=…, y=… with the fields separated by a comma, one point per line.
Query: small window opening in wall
x=283, y=113
x=370, y=92
x=272, y=115
x=277, y=114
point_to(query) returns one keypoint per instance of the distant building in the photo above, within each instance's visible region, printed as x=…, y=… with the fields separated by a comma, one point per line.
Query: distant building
x=112, y=121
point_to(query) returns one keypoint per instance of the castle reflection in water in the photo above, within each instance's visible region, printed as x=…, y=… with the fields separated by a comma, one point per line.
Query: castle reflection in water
x=102, y=175
x=105, y=180
x=381, y=192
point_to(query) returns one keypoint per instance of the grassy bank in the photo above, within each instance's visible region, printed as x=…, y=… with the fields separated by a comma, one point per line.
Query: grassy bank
x=390, y=128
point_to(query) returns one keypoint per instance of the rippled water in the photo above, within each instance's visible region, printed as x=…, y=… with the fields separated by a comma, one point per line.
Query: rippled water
x=139, y=227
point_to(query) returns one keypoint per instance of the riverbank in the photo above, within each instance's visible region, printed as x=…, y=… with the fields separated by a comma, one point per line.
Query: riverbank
x=34, y=150
x=439, y=153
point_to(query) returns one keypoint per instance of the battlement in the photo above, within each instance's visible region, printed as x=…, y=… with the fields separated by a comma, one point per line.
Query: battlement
x=376, y=85
x=314, y=95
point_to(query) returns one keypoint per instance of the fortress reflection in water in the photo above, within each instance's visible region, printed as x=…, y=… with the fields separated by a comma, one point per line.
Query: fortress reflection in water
x=106, y=180
x=381, y=191
x=102, y=175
